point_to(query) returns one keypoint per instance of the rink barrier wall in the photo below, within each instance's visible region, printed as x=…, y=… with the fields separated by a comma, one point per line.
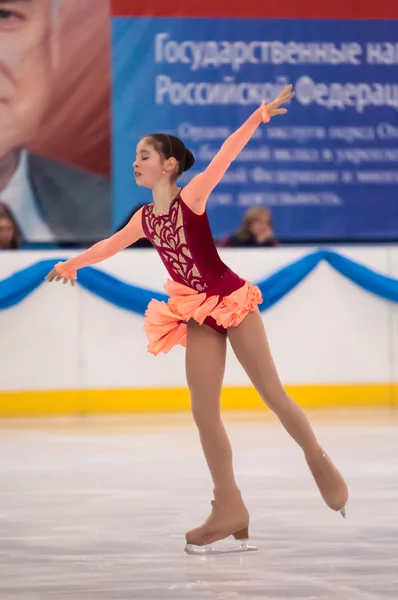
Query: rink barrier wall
x=65, y=350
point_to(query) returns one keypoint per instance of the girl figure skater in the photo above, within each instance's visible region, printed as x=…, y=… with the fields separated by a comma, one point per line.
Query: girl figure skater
x=209, y=304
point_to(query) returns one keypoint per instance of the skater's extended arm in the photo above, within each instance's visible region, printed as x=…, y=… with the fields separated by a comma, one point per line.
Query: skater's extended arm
x=132, y=232
x=196, y=193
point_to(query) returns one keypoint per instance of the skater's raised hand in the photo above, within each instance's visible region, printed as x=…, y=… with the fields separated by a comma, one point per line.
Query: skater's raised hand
x=54, y=276
x=272, y=109
x=198, y=190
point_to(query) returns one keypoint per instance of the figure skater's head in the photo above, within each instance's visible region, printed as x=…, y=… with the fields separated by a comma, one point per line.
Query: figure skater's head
x=161, y=156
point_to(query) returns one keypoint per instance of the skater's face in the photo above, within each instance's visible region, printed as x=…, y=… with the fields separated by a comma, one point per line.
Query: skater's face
x=150, y=166
x=27, y=55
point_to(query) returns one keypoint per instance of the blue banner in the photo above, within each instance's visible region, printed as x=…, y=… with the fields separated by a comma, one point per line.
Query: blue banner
x=20, y=285
x=328, y=170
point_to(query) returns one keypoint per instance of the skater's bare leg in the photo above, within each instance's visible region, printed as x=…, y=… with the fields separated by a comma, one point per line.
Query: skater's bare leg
x=250, y=344
x=205, y=366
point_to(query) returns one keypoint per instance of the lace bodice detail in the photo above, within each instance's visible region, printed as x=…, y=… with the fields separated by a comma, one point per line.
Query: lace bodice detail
x=167, y=234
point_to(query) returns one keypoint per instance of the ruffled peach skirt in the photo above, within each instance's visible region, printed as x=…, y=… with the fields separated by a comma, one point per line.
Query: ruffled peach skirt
x=166, y=323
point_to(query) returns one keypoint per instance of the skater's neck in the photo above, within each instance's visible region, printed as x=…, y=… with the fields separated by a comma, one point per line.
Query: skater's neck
x=163, y=194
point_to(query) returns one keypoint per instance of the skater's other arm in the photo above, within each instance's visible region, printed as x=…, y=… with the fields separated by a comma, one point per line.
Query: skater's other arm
x=196, y=193
x=132, y=232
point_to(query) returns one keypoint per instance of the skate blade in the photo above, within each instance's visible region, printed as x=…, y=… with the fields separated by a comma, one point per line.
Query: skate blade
x=213, y=549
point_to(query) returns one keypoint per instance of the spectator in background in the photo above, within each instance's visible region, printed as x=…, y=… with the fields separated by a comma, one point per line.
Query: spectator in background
x=10, y=238
x=49, y=200
x=256, y=230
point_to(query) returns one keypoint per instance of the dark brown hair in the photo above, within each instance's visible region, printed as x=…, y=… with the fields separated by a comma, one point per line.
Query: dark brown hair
x=171, y=146
x=16, y=238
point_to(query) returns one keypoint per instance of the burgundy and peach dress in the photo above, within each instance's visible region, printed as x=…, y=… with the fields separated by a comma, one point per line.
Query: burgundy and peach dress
x=201, y=287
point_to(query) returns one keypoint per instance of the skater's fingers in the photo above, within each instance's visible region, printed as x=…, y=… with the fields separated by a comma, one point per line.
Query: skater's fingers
x=290, y=96
x=284, y=99
x=283, y=95
x=50, y=276
x=54, y=276
x=287, y=88
x=278, y=111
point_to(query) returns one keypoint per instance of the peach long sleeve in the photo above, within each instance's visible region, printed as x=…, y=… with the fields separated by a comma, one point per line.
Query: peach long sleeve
x=132, y=232
x=196, y=193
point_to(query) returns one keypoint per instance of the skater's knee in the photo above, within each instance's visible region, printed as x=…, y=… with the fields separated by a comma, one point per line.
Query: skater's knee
x=205, y=413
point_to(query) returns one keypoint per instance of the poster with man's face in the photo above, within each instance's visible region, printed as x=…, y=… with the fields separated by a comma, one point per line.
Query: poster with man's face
x=54, y=119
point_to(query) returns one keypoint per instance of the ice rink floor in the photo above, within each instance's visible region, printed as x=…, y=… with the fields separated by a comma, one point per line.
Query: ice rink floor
x=97, y=509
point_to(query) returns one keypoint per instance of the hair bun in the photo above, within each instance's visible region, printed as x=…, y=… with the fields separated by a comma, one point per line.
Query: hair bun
x=189, y=159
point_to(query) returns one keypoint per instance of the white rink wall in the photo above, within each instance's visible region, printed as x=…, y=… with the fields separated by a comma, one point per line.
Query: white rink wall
x=326, y=331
